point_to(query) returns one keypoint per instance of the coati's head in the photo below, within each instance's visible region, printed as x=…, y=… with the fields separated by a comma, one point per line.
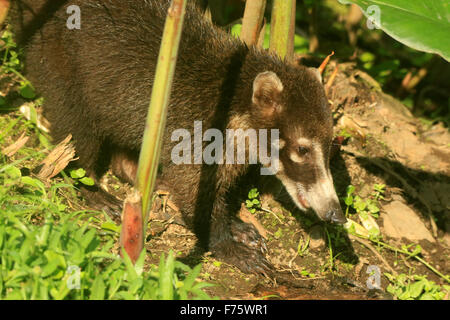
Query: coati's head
x=295, y=103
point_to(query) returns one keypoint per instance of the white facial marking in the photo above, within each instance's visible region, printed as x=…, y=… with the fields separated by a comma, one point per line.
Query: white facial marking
x=295, y=157
x=318, y=195
x=304, y=141
x=292, y=189
x=323, y=190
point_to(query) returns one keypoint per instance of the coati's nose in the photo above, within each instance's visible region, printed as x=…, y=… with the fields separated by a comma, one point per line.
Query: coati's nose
x=336, y=216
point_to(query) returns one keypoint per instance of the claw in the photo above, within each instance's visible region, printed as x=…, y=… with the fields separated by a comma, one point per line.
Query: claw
x=263, y=247
x=245, y=249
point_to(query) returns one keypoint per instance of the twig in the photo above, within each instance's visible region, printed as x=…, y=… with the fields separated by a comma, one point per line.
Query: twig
x=269, y=211
x=371, y=248
x=331, y=79
x=409, y=254
x=325, y=62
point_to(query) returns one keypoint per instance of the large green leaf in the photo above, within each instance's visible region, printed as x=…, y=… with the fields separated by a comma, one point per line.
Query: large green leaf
x=421, y=24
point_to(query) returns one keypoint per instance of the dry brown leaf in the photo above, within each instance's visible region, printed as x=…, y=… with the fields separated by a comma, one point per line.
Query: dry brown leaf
x=354, y=128
x=16, y=146
x=58, y=159
x=325, y=62
x=132, y=233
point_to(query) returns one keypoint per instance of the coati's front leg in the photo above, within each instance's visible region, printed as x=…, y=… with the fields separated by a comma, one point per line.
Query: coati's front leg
x=124, y=166
x=232, y=240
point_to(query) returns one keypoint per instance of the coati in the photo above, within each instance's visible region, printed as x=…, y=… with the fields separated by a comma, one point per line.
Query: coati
x=97, y=81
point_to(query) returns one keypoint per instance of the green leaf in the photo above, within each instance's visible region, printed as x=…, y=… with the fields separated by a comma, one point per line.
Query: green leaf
x=422, y=25
x=166, y=273
x=87, y=181
x=13, y=173
x=27, y=91
x=350, y=190
x=87, y=238
x=372, y=207
x=98, y=289
x=253, y=193
x=236, y=30
x=404, y=296
x=416, y=288
x=49, y=269
x=349, y=200
x=132, y=275
x=427, y=296
x=359, y=204
x=417, y=250
x=78, y=173
x=189, y=281
x=111, y=226
x=34, y=183
x=139, y=265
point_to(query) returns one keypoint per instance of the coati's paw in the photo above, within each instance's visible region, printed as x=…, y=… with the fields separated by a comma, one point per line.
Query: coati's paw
x=246, y=250
x=248, y=235
x=99, y=199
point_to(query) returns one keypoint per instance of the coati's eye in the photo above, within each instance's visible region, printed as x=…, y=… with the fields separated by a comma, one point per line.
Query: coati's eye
x=303, y=151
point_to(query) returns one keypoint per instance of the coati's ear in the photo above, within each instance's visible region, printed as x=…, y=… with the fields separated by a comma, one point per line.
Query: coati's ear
x=267, y=88
x=316, y=72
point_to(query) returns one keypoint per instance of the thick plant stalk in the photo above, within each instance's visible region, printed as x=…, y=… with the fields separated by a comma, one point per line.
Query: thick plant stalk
x=133, y=227
x=251, y=23
x=156, y=118
x=132, y=233
x=4, y=7
x=283, y=28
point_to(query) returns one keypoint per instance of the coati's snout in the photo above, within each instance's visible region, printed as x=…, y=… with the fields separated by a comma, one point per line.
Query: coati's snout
x=297, y=105
x=308, y=181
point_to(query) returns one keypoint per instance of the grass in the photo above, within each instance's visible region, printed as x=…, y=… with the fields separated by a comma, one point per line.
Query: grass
x=50, y=251
x=51, y=247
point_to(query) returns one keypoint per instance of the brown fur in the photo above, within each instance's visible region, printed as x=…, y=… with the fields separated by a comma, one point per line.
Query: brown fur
x=97, y=82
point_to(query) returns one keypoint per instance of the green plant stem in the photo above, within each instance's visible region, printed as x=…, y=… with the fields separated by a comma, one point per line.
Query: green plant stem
x=330, y=249
x=156, y=118
x=406, y=252
x=282, y=30
x=251, y=23
x=20, y=76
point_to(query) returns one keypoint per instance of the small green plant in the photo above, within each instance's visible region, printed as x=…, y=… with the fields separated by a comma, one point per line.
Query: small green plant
x=416, y=287
x=47, y=253
x=253, y=203
x=79, y=175
x=365, y=209
x=344, y=133
x=12, y=64
x=302, y=247
x=369, y=205
x=308, y=274
x=10, y=55
x=66, y=260
x=378, y=192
